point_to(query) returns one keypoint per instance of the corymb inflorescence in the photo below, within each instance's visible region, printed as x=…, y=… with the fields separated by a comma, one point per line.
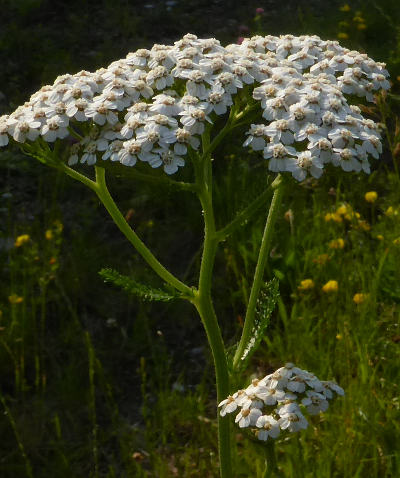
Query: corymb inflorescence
x=278, y=401
x=154, y=105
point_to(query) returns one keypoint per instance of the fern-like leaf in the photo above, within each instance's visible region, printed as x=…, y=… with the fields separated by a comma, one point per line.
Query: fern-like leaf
x=141, y=291
x=266, y=303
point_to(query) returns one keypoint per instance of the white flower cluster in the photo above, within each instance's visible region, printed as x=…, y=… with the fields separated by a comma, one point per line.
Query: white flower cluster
x=275, y=402
x=154, y=104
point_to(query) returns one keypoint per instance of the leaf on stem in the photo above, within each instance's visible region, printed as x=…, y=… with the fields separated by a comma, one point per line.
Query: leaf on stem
x=266, y=302
x=141, y=291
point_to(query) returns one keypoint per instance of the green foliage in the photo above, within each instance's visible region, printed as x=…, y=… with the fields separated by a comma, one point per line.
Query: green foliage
x=141, y=291
x=266, y=303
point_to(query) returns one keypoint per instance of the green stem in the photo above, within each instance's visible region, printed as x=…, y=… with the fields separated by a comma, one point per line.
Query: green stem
x=78, y=176
x=231, y=123
x=271, y=465
x=108, y=202
x=277, y=186
x=204, y=305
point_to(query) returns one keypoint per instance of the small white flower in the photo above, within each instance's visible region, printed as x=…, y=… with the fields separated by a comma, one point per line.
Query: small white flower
x=273, y=396
x=248, y=417
x=315, y=402
x=305, y=163
x=74, y=154
x=229, y=82
x=342, y=138
x=139, y=58
x=346, y=159
x=228, y=405
x=181, y=137
x=279, y=132
x=77, y=109
x=371, y=144
x=329, y=386
x=23, y=128
x=193, y=119
x=159, y=77
x=165, y=105
x=56, y=127
x=218, y=101
x=321, y=148
x=3, y=131
x=256, y=137
x=293, y=421
x=113, y=151
x=89, y=153
x=101, y=112
x=279, y=155
x=269, y=427
x=169, y=159
x=275, y=109
x=130, y=152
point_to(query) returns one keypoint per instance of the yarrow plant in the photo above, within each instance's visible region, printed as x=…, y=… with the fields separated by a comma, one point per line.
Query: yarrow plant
x=172, y=106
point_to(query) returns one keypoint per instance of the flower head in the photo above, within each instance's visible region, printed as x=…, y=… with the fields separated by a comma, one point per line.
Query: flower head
x=21, y=240
x=278, y=401
x=359, y=298
x=306, y=284
x=371, y=196
x=330, y=286
x=161, y=100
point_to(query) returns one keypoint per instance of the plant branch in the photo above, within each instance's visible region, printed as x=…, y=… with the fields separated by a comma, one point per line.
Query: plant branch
x=277, y=186
x=108, y=202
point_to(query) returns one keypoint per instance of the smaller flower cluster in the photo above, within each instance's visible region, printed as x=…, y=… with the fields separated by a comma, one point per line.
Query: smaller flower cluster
x=277, y=401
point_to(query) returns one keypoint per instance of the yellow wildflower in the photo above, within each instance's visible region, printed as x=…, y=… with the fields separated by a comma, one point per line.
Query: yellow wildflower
x=361, y=26
x=330, y=286
x=342, y=210
x=49, y=234
x=337, y=243
x=339, y=336
x=364, y=225
x=359, y=19
x=371, y=196
x=336, y=217
x=333, y=216
x=345, y=8
x=396, y=241
x=306, y=284
x=321, y=259
x=15, y=299
x=21, y=240
x=391, y=211
x=359, y=298
x=380, y=237
x=342, y=36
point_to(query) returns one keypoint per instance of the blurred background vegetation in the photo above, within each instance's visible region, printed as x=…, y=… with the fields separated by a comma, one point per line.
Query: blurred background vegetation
x=94, y=383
